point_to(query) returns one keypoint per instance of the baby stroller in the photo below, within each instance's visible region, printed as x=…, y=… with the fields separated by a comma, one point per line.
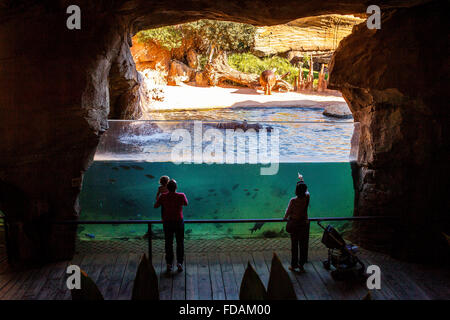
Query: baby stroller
x=341, y=256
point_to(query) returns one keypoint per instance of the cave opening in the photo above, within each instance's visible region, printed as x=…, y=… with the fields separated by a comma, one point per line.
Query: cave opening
x=174, y=94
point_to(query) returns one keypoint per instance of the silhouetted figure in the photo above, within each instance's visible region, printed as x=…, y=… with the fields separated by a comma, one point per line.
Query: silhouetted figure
x=163, y=181
x=172, y=203
x=297, y=225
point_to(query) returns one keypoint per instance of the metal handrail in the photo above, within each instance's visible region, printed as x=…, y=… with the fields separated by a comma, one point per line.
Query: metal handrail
x=219, y=220
x=150, y=223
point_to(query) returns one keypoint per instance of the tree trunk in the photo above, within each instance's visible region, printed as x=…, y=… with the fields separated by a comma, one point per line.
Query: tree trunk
x=219, y=70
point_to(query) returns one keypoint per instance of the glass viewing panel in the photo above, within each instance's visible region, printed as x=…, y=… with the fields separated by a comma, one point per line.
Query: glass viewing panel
x=222, y=174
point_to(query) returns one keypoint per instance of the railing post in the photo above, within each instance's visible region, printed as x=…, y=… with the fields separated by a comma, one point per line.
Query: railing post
x=6, y=230
x=150, y=249
x=307, y=240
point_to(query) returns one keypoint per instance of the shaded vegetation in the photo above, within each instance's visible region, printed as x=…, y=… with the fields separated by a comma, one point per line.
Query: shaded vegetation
x=249, y=63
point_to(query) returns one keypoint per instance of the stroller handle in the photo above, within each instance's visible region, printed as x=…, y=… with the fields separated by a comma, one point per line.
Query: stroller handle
x=318, y=222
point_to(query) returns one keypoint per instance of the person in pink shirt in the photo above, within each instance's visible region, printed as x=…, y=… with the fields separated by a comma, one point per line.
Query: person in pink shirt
x=172, y=204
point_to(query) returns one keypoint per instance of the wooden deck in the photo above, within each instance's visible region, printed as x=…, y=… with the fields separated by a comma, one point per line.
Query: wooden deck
x=217, y=276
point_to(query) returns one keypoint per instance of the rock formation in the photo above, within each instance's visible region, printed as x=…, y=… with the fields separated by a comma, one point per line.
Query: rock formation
x=337, y=110
x=319, y=35
x=55, y=102
x=402, y=164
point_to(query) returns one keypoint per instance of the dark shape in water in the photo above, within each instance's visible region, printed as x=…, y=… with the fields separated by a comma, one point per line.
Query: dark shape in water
x=150, y=176
x=225, y=192
x=218, y=226
x=188, y=231
x=257, y=226
x=278, y=192
x=217, y=210
x=112, y=180
x=128, y=202
x=235, y=186
x=215, y=194
x=229, y=230
x=254, y=196
x=115, y=168
x=269, y=234
x=136, y=167
x=90, y=235
x=245, y=189
x=198, y=198
x=124, y=238
x=247, y=194
x=124, y=167
x=256, y=189
x=211, y=190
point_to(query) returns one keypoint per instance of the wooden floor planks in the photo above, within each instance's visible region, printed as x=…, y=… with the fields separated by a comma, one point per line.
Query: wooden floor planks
x=218, y=275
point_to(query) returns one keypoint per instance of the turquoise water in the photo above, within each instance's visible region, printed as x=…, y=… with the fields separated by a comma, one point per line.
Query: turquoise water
x=120, y=190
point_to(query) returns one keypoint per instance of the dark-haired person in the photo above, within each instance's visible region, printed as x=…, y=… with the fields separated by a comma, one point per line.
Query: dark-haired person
x=173, y=224
x=297, y=225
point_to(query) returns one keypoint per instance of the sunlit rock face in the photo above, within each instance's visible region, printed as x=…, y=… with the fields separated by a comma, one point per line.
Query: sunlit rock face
x=394, y=82
x=312, y=35
x=58, y=86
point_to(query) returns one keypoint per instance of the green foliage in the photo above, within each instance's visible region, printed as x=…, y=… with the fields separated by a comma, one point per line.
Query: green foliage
x=146, y=282
x=252, y=287
x=202, y=61
x=88, y=291
x=249, y=63
x=280, y=286
x=223, y=35
x=306, y=59
x=169, y=37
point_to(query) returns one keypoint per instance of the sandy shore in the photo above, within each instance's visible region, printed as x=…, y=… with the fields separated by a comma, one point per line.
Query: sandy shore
x=191, y=97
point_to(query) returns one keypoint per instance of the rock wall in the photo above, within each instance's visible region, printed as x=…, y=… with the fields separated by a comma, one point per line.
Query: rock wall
x=396, y=85
x=150, y=55
x=126, y=85
x=55, y=102
x=317, y=35
x=54, y=105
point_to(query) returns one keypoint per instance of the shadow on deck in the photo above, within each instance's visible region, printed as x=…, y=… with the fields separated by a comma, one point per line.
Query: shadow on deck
x=214, y=271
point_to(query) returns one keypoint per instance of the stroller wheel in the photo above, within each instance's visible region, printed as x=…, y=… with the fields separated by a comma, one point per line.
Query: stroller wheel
x=326, y=265
x=336, y=275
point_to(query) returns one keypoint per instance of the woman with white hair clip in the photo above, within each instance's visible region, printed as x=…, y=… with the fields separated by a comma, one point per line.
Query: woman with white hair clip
x=297, y=225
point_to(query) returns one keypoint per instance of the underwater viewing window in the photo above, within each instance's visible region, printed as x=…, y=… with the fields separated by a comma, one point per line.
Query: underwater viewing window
x=222, y=174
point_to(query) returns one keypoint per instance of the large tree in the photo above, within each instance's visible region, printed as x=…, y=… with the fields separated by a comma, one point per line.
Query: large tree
x=204, y=34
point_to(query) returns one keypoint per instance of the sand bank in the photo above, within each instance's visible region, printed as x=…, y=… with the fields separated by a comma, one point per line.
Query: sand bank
x=186, y=97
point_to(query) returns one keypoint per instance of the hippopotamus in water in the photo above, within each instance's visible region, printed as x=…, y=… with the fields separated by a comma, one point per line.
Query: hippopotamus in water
x=244, y=125
x=267, y=80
